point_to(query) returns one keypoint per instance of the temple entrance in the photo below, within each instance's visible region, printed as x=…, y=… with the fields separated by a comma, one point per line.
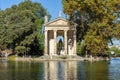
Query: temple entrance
x=60, y=45
x=60, y=42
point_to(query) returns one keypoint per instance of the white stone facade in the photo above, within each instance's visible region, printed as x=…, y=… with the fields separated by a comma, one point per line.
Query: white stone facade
x=60, y=27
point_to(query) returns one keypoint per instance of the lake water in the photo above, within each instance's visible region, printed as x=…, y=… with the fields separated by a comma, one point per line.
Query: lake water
x=60, y=70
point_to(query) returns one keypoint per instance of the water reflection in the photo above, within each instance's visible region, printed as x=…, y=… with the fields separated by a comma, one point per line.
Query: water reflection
x=114, y=69
x=60, y=70
x=21, y=71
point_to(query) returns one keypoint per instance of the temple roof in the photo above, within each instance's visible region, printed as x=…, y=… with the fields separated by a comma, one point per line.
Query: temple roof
x=58, y=22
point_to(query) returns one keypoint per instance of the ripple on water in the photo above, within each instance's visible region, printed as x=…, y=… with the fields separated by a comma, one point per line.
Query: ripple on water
x=114, y=69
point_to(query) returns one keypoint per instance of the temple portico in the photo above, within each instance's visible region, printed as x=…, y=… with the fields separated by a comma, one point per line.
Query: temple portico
x=60, y=27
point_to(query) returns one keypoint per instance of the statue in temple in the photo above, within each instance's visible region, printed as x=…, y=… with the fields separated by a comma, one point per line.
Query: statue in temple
x=59, y=46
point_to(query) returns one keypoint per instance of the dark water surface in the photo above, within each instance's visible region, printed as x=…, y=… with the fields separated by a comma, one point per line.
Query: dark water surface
x=60, y=70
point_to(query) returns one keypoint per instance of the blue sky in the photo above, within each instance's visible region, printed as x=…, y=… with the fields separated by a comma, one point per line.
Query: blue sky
x=52, y=6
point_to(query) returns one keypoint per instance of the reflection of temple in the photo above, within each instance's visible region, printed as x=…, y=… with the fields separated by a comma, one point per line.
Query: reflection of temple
x=60, y=27
x=50, y=71
x=61, y=70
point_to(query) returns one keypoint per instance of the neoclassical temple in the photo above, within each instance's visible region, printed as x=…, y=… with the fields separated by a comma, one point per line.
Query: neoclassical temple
x=53, y=44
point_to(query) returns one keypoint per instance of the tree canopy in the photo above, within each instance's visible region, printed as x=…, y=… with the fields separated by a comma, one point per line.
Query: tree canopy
x=21, y=27
x=97, y=22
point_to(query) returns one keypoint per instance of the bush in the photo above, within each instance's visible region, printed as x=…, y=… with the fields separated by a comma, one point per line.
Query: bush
x=80, y=49
x=12, y=58
x=116, y=50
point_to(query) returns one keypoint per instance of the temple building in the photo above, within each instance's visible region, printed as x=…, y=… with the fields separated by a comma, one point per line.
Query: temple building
x=59, y=27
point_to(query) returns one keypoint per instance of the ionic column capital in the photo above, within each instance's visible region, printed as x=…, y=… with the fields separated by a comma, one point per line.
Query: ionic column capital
x=55, y=30
x=65, y=30
x=46, y=30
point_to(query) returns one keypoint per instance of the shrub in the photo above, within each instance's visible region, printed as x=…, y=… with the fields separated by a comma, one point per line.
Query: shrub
x=80, y=48
x=115, y=50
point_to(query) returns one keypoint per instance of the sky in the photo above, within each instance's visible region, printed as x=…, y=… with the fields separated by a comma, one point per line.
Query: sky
x=53, y=6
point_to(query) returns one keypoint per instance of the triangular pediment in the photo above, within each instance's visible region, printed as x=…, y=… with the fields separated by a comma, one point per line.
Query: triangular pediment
x=58, y=21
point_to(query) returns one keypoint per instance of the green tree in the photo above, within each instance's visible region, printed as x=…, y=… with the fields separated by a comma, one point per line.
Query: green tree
x=21, y=26
x=96, y=22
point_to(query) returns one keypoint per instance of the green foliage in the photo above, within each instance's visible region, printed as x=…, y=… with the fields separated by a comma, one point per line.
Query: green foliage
x=97, y=22
x=22, y=50
x=81, y=48
x=116, y=50
x=95, y=44
x=12, y=58
x=21, y=28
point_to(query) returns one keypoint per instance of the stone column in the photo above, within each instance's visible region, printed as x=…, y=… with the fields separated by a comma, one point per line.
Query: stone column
x=46, y=43
x=55, y=45
x=74, y=42
x=65, y=41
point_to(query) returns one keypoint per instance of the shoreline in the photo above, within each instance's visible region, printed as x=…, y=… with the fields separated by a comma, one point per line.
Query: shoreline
x=58, y=58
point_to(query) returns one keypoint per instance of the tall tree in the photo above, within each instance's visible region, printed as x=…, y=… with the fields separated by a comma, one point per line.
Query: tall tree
x=20, y=27
x=96, y=22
